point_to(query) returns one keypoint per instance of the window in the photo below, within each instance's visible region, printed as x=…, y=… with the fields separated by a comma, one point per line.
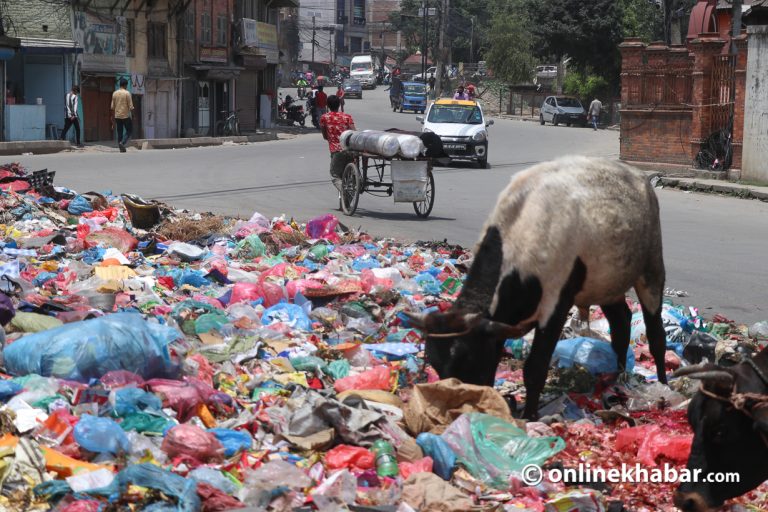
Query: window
x=157, y=47
x=356, y=44
x=189, y=25
x=205, y=28
x=221, y=30
x=130, y=36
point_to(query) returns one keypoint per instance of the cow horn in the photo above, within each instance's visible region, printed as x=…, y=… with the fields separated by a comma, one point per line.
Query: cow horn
x=417, y=320
x=698, y=368
x=506, y=331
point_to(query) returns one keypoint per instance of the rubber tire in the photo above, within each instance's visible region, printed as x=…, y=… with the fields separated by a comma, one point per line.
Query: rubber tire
x=236, y=132
x=568, y=125
x=220, y=129
x=424, y=208
x=541, y=119
x=302, y=121
x=350, y=186
x=555, y=120
x=482, y=163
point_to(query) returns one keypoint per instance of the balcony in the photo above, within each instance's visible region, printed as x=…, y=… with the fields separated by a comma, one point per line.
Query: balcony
x=358, y=21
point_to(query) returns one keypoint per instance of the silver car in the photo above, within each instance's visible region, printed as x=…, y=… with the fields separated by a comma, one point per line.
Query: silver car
x=563, y=109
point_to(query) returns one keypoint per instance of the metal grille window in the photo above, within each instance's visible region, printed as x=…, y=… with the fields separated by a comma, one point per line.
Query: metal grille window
x=205, y=28
x=157, y=47
x=221, y=30
x=130, y=36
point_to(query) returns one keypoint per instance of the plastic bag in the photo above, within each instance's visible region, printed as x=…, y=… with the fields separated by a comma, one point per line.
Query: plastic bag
x=154, y=477
x=308, y=364
x=376, y=378
x=246, y=292
x=191, y=440
x=323, y=227
x=251, y=247
x=338, y=369
x=213, y=477
x=759, y=330
x=232, y=440
x=339, y=488
x=443, y=458
x=113, y=237
x=79, y=205
x=100, y=435
x=492, y=449
x=9, y=389
x=87, y=350
x=7, y=310
x=179, y=396
x=350, y=457
x=595, y=355
x=653, y=396
x=143, y=422
x=651, y=442
x=131, y=400
x=420, y=466
x=120, y=379
x=289, y=314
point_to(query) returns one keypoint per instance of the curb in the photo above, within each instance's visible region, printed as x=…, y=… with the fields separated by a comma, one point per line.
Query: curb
x=194, y=142
x=39, y=147
x=722, y=188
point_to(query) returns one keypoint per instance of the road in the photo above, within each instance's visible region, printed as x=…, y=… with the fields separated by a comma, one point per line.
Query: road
x=712, y=244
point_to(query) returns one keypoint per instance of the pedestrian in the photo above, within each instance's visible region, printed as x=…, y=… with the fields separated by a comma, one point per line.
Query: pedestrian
x=594, y=112
x=72, y=102
x=333, y=124
x=122, y=107
x=431, y=83
x=321, y=101
x=340, y=95
x=460, y=94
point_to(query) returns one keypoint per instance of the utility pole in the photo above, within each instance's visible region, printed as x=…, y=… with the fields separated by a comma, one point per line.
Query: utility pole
x=314, y=32
x=424, y=42
x=440, y=61
x=735, y=24
x=472, y=42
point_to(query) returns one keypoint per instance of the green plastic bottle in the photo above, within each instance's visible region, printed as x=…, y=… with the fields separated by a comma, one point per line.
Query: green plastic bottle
x=386, y=463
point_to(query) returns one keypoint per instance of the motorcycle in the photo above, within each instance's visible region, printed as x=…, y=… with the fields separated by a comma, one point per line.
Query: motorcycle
x=301, y=91
x=289, y=111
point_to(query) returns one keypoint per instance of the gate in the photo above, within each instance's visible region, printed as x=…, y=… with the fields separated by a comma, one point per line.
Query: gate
x=723, y=93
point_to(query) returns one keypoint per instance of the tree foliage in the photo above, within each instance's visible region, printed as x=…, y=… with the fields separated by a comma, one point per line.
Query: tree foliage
x=509, y=44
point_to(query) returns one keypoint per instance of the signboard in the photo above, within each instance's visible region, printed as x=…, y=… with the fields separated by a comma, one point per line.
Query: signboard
x=267, y=35
x=262, y=37
x=103, y=40
x=213, y=54
x=250, y=35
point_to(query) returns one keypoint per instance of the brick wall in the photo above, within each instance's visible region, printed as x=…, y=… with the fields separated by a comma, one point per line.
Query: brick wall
x=660, y=136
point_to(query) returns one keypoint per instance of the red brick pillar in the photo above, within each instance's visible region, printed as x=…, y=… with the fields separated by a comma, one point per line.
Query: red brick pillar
x=655, y=79
x=680, y=68
x=703, y=49
x=739, y=105
x=632, y=50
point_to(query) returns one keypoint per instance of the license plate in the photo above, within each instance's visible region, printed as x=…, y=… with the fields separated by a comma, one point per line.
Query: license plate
x=459, y=147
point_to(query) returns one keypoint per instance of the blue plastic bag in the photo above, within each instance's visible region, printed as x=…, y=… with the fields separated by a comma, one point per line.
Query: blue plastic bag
x=289, y=314
x=428, y=283
x=101, y=435
x=232, y=440
x=595, y=355
x=133, y=400
x=9, y=389
x=79, y=205
x=43, y=277
x=442, y=455
x=182, y=276
x=154, y=477
x=87, y=350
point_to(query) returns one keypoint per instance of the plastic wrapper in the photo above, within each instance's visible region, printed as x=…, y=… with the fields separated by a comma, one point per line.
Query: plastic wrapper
x=492, y=449
x=653, y=396
x=289, y=314
x=376, y=378
x=190, y=440
x=120, y=379
x=759, y=330
x=595, y=355
x=581, y=501
x=87, y=350
x=100, y=435
x=420, y=466
x=442, y=455
x=323, y=227
x=113, y=237
x=131, y=400
x=179, y=396
x=154, y=477
x=410, y=146
x=233, y=441
x=213, y=477
x=651, y=442
x=251, y=247
x=339, y=488
x=350, y=457
x=270, y=293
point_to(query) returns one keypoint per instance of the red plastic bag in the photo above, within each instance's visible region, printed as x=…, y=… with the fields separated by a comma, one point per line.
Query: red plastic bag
x=192, y=441
x=215, y=500
x=246, y=292
x=420, y=466
x=113, y=237
x=204, y=369
x=120, y=379
x=652, y=442
x=349, y=457
x=376, y=378
x=179, y=396
x=80, y=506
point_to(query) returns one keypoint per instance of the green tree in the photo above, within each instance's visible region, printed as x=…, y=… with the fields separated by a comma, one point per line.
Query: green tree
x=509, y=50
x=641, y=18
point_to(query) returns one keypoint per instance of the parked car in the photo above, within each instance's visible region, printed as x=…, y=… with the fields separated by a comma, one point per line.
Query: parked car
x=462, y=128
x=563, y=109
x=414, y=97
x=352, y=88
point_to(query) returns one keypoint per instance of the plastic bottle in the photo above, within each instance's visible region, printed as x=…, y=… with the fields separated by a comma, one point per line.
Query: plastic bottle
x=386, y=463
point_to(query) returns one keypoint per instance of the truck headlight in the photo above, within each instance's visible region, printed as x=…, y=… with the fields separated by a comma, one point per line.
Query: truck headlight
x=479, y=136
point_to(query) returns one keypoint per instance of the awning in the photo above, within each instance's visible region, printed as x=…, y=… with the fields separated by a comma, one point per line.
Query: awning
x=37, y=45
x=211, y=72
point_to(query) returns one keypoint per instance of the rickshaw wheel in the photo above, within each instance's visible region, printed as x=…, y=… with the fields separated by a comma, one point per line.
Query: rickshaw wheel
x=350, y=189
x=424, y=208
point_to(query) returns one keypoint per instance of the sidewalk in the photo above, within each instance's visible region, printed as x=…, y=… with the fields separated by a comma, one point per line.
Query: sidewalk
x=735, y=189
x=535, y=119
x=41, y=147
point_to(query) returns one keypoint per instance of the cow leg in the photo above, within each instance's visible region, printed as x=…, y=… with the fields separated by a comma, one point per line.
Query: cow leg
x=537, y=364
x=657, y=340
x=620, y=320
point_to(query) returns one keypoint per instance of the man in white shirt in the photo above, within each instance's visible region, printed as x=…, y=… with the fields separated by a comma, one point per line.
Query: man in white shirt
x=72, y=118
x=594, y=112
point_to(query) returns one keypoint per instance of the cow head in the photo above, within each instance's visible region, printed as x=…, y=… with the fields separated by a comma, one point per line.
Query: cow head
x=464, y=345
x=726, y=439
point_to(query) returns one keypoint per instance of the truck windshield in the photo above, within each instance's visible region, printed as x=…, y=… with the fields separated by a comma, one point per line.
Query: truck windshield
x=415, y=89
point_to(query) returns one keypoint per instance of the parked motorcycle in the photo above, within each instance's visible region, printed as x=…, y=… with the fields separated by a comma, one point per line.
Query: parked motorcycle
x=288, y=110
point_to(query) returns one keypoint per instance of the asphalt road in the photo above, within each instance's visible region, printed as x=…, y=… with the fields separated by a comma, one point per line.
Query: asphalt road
x=712, y=245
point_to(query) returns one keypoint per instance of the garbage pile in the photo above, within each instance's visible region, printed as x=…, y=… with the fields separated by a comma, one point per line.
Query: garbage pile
x=164, y=360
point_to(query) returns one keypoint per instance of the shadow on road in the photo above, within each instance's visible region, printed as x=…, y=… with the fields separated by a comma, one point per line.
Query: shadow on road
x=399, y=216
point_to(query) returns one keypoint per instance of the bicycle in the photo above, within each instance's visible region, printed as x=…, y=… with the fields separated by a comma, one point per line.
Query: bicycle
x=230, y=125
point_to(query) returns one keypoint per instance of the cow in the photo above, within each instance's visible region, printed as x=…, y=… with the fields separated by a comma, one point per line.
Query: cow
x=574, y=231
x=729, y=418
